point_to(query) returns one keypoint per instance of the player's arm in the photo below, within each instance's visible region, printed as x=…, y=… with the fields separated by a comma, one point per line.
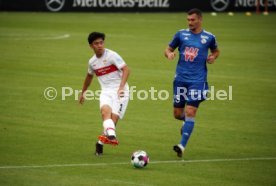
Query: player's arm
x=213, y=56
x=87, y=82
x=169, y=53
x=125, y=74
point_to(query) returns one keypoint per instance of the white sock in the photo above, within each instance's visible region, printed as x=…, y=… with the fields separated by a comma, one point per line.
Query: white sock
x=109, y=127
x=101, y=143
x=181, y=147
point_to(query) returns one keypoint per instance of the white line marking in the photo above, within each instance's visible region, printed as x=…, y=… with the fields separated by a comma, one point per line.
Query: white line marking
x=216, y=160
x=64, y=36
x=125, y=163
x=125, y=182
x=34, y=36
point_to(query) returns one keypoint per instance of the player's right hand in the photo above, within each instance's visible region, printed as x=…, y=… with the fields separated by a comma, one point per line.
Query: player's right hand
x=171, y=55
x=81, y=100
x=121, y=93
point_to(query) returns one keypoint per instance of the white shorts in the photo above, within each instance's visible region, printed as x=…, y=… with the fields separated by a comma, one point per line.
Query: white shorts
x=118, y=105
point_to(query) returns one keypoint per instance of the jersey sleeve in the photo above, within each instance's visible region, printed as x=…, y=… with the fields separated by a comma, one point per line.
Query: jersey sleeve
x=175, y=42
x=213, y=44
x=118, y=61
x=90, y=70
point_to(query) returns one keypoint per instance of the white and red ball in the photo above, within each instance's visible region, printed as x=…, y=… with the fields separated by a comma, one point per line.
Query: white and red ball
x=139, y=159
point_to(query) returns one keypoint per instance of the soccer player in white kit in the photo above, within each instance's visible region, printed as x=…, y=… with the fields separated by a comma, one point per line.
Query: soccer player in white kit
x=112, y=73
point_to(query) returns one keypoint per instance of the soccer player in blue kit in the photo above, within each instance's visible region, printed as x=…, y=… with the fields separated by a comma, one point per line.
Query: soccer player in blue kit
x=190, y=83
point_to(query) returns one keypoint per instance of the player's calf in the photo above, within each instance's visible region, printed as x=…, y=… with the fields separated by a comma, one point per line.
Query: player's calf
x=179, y=114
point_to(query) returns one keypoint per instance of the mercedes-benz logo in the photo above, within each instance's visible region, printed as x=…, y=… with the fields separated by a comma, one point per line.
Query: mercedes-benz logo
x=54, y=5
x=219, y=5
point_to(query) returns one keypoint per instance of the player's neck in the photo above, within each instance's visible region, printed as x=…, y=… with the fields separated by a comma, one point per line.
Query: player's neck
x=100, y=54
x=196, y=31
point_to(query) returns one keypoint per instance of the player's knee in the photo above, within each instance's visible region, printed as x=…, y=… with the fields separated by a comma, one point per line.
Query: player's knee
x=190, y=112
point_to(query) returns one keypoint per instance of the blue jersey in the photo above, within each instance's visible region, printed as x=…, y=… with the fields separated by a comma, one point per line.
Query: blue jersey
x=193, y=53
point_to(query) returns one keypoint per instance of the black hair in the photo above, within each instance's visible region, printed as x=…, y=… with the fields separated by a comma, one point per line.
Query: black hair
x=195, y=11
x=95, y=35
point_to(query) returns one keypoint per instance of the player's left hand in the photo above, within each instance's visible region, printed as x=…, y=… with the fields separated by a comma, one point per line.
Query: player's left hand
x=211, y=59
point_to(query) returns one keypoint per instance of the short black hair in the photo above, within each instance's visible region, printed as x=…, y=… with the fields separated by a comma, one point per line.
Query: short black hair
x=195, y=11
x=95, y=35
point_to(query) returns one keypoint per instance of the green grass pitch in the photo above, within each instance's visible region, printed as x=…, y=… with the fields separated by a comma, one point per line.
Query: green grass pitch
x=46, y=142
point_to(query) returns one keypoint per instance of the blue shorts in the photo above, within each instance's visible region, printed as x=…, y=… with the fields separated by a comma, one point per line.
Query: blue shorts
x=190, y=93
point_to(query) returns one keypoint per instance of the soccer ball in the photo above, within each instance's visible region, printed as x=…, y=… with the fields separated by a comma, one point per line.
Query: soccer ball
x=139, y=159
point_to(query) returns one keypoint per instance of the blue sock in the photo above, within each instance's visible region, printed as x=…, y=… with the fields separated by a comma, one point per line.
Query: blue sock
x=187, y=130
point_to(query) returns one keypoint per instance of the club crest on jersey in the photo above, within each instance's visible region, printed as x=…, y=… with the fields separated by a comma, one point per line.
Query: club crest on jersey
x=104, y=61
x=203, y=41
x=190, y=53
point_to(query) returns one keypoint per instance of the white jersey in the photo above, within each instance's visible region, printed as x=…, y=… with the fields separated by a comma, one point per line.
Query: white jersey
x=108, y=69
